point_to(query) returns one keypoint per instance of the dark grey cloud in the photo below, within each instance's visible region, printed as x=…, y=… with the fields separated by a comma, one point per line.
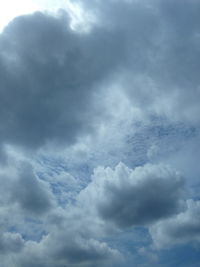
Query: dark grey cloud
x=48, y=77
x=133, y=197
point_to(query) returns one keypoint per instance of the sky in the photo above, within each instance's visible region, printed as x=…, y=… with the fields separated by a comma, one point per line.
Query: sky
x=99, y=133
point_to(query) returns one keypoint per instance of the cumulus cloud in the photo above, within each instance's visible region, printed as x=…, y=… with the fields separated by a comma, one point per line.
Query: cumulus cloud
x=75, y=250
x=63, y=248
x=37, y=232
x=129, y=197
x=48, y=75
x=180, y=229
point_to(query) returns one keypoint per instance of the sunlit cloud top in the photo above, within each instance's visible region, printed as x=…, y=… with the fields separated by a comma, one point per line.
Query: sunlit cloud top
x=11, y=9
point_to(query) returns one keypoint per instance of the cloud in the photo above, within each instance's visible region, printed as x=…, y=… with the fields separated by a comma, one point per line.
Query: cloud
x=48, y=75
x=129, y=197
x=79, y=250
x=63, y=248
x=21, y=187
x=180, y=229
x=11, y=242
x=160, y=63
x=31, y=193
x=58, y=71
x=37, y=231
x=127, y=89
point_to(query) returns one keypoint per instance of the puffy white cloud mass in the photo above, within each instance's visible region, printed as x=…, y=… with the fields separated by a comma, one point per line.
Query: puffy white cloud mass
x=81, y=91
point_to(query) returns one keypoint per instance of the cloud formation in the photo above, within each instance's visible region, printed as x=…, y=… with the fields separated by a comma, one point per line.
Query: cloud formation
x=134, y=197
x=11, y=242
x=179, y=229
x=71, y=101
x=68, y=250
x=161, y=53
x=48, y=75
x=23, y=188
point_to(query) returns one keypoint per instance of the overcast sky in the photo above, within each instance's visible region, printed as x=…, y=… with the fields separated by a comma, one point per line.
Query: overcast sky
x=100, y=133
